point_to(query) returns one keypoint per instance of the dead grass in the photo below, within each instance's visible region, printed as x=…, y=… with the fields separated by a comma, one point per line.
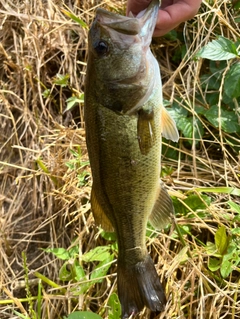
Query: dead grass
x=40, y=203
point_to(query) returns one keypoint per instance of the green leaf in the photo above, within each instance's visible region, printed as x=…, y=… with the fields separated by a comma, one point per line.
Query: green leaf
x=61, y=253
x=71, y=101
x=234, y=206
x=236, y=231
x=79, y=272
x=65, y=272
x=217, y=50
x=221, y=240
x=214, y=264
x=99, y=253
x=188, y=125
x=46, y=93
x=197, y=202
x=75, y=18
x=228, y=120
x=115, y=307
x=83, y=315
x=61, y=80
x=232, y=81
x=211, y=249
x=101, y=269
x=224, y=190
x=111, y=236
x=226, y=268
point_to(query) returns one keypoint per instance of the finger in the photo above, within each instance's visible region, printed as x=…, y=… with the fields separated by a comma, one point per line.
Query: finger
x=173, y=15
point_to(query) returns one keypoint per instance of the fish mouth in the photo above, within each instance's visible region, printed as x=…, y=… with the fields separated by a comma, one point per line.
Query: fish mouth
x=141, y=24
x=121, y=24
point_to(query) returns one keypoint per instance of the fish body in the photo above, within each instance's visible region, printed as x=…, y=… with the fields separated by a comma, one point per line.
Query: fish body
x=125, y=120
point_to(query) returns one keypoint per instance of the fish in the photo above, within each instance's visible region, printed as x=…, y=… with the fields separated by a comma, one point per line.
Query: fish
x=125, y=121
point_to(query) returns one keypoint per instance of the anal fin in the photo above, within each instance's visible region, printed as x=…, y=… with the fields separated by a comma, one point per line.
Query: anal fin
x=99, y=215
x=162, y=210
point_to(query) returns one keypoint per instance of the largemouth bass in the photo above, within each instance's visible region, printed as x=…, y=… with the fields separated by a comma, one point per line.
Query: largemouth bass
x=125, y=119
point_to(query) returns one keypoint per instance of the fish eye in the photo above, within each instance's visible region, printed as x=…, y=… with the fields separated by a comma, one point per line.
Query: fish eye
x=101, y=47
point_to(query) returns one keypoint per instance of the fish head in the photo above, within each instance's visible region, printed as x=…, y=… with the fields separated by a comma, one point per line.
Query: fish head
x=118, y=51
x=116, y=47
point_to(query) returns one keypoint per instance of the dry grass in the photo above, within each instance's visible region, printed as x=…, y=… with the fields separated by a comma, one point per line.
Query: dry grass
x=41, y=204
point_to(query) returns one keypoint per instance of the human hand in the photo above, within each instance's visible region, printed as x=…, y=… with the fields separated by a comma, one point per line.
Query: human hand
x=170, y=15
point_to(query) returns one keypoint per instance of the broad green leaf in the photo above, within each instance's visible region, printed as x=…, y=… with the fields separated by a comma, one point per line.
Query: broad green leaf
x=236, y=231
x=73, y=251
x=217, y=68
x=234, y=206
x=101, y=269
x=177, y=111
x=79, y=272
x=83, y=315
x=197, y=202
x=71, y=101
x=65, y=272
x=214, y=264
x=232, y=81
x=190, y=126
x=226, y=268
x=99, y=253
x=60, y=253
x=111, y=236
x=115, y=307
x=82, y=287
x=217, y=50
x=168, y=151
x=193, y=202
x=221, y=240
x=228, y=120
x=211, y=249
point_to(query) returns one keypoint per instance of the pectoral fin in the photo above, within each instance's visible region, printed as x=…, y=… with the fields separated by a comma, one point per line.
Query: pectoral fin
x=98, y=213
x=146, y=131
x=162, y=210
x=169, y=128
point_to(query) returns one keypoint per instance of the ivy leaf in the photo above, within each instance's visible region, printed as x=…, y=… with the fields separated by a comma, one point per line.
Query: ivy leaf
x=232, y=81
x=217, y=50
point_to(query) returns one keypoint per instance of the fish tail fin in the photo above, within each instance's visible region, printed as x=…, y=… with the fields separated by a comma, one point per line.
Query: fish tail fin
x=139, y=286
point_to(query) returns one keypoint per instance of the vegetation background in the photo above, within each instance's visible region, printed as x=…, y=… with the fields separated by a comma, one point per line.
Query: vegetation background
x=50, y=262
